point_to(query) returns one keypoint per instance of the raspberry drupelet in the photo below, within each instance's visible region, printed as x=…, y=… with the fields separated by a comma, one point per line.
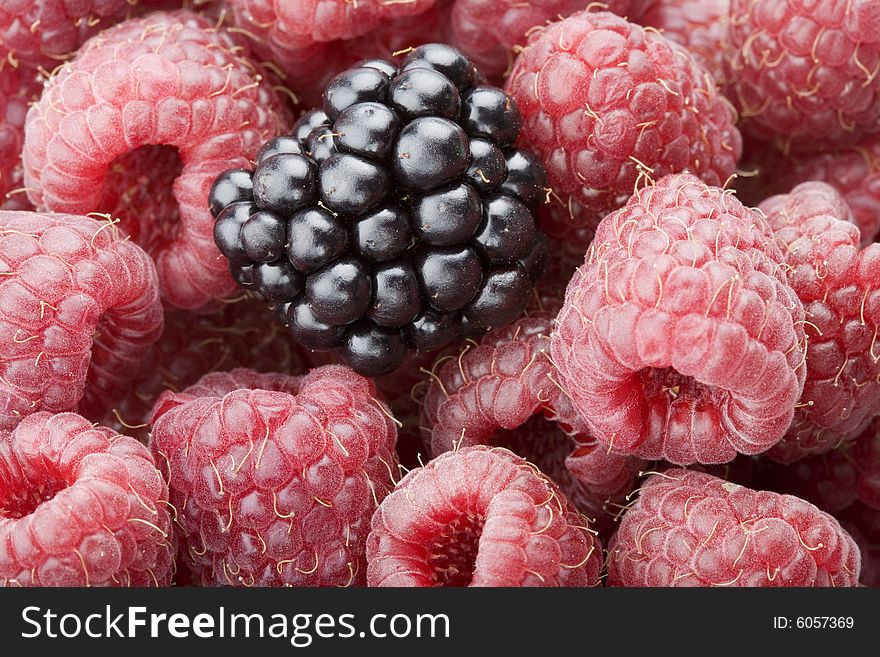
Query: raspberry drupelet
x=692, y=529
x=680, y=337
x=804, y=74
x=480, y=516
x=836, y=282
x=79, y=310
x=274, y=477
x=19, y=85
x=81, y=506
x=502, y=391
x=607, y=105
x=138, y=125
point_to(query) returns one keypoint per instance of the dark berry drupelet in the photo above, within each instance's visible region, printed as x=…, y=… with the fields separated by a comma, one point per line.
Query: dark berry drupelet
x=397, y=218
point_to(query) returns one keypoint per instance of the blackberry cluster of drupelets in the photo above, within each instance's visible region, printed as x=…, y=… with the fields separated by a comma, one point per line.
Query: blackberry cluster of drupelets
x=398, y=218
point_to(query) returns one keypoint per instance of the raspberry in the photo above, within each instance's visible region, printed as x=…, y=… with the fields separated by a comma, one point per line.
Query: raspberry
x=480, y=517
x=490, y=31
x=398, y=219
x=138, y=125
x=81, y=506
x=608, y=105
x=854, y=171
x=698, y=25
x=19, y=85
x=79, y=309
x=241, y=334
x=863, y=523
x=275, y=477
x=834, y=280
x=312, y=40
x=495, y=392
x=804, y=74
x=42, y=32
x=680, y=337
x=692, y=529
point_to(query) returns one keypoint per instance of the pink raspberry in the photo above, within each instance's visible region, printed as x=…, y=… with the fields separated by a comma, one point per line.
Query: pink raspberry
x=489, y=32
x=692, y=529
x=480, y=516
x=310, y=41
x=680, y=337
x=19, y=85
x=275, y=477
x=863, y=524
x=79, y=309
x=503, y=392
x=138, y=125
x=609, y=105
x=45, y=32
x=854, y=171
x=241, y=334
x=836, y=282
x=698, y=25
x=804, y=74
x=81, y=506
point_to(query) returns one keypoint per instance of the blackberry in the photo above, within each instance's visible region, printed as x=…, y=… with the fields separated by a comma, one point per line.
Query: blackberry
x=397, y=218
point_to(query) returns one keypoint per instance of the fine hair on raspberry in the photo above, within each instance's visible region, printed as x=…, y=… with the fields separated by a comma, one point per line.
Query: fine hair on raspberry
x=480, y=516
x=680, y=337
x=275, y=477
x=81, y=506
x=137, y=125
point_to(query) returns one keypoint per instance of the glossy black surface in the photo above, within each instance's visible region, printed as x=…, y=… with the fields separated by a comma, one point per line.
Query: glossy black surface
x=227, y=231
x=229, y=187
x=432, y=330
x=526, y=178
x=490, y=113
x=263, y=236
x=382, y=234
x=449, y=276
x=508, y=229
x=396, y=297
x=373, y=350
x=422, y=92
x=308, y=330
x=315, y=237
x=366, y=129
x=307, y=123
x=340, y=292
x=277, y=281
x=285, y=183
x=356, y=85
x=501, y=299
x=279, y=145
x=445, y=59
x=487, y=168
x=446, y=216
x=351, y=184
x=430, y=151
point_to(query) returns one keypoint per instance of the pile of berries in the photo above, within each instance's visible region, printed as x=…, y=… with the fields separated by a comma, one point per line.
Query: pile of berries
x=439, y=293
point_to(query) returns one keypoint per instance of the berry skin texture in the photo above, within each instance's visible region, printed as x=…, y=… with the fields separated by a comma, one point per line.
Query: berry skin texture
x=168, y=81
x=79, y=310
x=19, y=85
x=240, y=334
x=680, y=337
x=803, y=74
x=854, y=171
x=835, y=281
x=608, y=105
x=81, y=506
x=502, y=392
x=698, y=25
x=692, y=529
x=275, y=478
x=480, y=516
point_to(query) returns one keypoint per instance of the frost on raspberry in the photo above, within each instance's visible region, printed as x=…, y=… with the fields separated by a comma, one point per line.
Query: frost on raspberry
x=502, y=392
x=275, y=478
x=480, y=516
x=240, y=334
x=138, y=125
x=805, y=74
x=19, y=85
x=835, y=280
x=692, y=529
x=608, y=105
x=680, y=337
x=79, y=310
x=81, y=506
